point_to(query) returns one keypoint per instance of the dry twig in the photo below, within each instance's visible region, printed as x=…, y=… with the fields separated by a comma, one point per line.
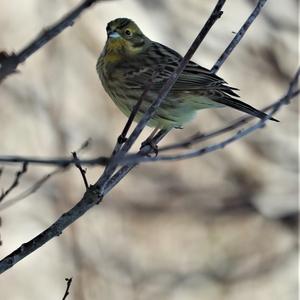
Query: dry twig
x=10, y=62
x=67, y=292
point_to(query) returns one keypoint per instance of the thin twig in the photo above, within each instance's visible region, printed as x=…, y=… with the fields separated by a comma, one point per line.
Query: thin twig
x=10, y=62
x=16, y=181
x=36, y=186
x=81, y=170
x=67, y=292
x=31, y=190
x=1, y=243
x=238, y=36
x=62, y=162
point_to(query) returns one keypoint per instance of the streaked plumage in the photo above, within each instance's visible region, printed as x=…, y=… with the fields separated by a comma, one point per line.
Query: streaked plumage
x=130, y=62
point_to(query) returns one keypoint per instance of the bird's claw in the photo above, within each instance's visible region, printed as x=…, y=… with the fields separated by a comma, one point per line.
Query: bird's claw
x=152, y=145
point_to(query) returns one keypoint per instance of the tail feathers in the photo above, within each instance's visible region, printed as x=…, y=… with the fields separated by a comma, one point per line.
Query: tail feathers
x=242, y=106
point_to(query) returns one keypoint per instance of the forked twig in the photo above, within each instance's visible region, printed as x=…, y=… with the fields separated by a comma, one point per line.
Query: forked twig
x=16, y=181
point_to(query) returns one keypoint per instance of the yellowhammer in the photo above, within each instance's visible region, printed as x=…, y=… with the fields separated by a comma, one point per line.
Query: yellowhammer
x=130, y=63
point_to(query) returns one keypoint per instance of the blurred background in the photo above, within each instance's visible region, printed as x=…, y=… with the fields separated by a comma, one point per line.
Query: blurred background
x=222, y=226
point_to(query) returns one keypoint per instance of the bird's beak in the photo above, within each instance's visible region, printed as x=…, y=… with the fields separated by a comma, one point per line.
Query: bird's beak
x=113, y=35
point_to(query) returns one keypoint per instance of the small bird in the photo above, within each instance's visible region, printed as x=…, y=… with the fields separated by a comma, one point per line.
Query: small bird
x=130, y=63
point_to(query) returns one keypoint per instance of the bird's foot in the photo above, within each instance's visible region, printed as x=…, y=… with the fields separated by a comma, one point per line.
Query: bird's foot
x=152, y=145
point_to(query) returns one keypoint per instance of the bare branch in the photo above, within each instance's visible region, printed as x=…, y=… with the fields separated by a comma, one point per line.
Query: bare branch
x=146, y=150
x=36, y=186
x=238, y=36
x=82, y=171
x=67, y=292
x=31, y=190
x=10, y=62
x=94, y=194
x=1, y=243
x=15, y=183
x=62, y=162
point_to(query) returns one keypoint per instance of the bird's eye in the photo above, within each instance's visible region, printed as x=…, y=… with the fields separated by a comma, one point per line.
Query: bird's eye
x=128, y=32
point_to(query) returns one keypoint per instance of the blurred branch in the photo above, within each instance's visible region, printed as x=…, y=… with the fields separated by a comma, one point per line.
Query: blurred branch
x=62, y=162
x=69, y=282
x=162, y=94
x=61, y=168
x=31, y=190
x=238, y=36
x=81, y=170
x=10, y=62
x=15, y=183
x=95, y=193
x=1, y=243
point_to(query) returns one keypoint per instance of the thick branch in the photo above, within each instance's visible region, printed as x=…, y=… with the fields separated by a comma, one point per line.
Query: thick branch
x=10, y=62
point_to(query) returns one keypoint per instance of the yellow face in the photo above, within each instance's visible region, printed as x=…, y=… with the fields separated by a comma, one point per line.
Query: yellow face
x=124, y=38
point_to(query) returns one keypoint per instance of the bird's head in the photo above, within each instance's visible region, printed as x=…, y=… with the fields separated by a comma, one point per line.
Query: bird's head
x=124, y=38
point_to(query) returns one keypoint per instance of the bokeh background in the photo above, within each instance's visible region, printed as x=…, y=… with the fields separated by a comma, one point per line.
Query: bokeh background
x=223, y=226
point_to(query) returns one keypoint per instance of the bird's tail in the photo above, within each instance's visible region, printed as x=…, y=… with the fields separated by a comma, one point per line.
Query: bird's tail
x=242, y=106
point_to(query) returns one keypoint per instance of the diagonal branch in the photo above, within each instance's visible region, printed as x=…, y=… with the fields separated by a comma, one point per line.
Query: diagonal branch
x=15, y=183
x=32, y=189
x=238, y=36
x=10, y=62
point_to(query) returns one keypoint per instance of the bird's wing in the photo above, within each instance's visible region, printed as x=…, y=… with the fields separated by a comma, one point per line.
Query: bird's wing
x=159, y=62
